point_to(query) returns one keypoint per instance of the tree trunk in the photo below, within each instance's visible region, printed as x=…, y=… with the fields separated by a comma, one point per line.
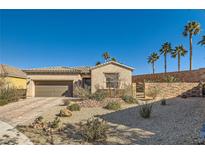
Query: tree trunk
x=179, y=61
x=153, y=68
x=190, y=43
x=165, y=63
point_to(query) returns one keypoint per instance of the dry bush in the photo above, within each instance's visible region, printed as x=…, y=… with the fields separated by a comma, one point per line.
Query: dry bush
x=99, y=95
x=94, y=130
x=153, y=92
x=81, y=92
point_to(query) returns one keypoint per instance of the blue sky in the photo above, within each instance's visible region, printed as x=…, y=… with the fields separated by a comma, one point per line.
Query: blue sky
x=41, y=38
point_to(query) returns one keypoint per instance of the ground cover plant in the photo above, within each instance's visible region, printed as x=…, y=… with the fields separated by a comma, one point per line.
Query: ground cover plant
x=113, y=106
x=73, y=107
x=129, y=99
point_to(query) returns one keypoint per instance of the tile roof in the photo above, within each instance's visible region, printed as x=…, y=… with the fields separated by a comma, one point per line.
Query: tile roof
x=79, y=69
x=115, y=63
x=60, y=69
x=6, y=70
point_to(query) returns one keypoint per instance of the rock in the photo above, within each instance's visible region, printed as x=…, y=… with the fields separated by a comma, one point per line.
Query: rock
x=65, y=113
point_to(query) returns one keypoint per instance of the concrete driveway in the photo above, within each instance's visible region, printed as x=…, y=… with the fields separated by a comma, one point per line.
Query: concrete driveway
x=25, y=111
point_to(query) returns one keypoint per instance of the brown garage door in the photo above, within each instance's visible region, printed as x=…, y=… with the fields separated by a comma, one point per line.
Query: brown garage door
x=53, y=88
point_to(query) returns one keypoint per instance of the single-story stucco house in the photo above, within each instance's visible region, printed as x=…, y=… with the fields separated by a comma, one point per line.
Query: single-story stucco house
x=60, y=81
x=13, y=76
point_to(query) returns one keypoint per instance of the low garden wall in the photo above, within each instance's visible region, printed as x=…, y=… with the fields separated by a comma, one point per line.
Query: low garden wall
x=170, y=90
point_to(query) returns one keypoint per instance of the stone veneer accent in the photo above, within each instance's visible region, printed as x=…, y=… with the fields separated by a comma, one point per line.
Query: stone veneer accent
x=170, y=90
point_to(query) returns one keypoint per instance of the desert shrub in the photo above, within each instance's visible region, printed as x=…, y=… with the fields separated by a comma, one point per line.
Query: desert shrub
x=8, y=95
x=145, y=110
x=94, y=130
x=153, y=92
x=113, y=106
x=55, y=123
x=3, y=102
x=81, y=92
x=129, y=99
x=99, y=95
x=163, y=102
x=66, y=102
x=38, y=123
x=170, y=79
x=64, y=113
x=74, y=107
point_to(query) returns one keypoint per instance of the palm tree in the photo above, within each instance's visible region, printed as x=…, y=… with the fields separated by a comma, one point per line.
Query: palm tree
x=97, y=63
x=106, y=56
x=192, y=28
x=202, y=42
x=178, y=52
x=113, y=59
x=166, y=49
x=152, y=59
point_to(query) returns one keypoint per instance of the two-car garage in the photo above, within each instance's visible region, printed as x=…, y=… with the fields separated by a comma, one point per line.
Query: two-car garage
x=53, y=88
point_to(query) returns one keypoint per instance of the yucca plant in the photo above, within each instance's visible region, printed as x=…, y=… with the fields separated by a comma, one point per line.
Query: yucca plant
x=145, y=110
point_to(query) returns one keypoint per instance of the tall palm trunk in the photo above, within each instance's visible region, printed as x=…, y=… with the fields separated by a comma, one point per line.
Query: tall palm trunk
x=179, y=62
x=190, y=43
x=153, y=68
x=165, y=63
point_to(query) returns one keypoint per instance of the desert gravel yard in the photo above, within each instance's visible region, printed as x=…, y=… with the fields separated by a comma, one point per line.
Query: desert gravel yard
x=178, y=122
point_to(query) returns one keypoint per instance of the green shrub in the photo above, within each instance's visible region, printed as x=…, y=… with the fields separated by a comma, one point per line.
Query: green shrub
x=3, y=102
x=99, y=95
x=55, y=123
x=66, y=102
x=113, y=106
x=129, y=99
x=145, y=110
x=163, y=102
x=74, y=107
x=94, y=130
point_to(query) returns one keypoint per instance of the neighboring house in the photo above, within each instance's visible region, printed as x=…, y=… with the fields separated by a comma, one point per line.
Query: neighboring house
x=60, y=81
x=13, y=76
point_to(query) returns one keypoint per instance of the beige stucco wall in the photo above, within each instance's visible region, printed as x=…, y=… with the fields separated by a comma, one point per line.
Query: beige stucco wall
x=33, y=78
x=98, y=79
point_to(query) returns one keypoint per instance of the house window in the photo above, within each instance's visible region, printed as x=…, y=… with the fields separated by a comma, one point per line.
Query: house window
x=112, y=80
